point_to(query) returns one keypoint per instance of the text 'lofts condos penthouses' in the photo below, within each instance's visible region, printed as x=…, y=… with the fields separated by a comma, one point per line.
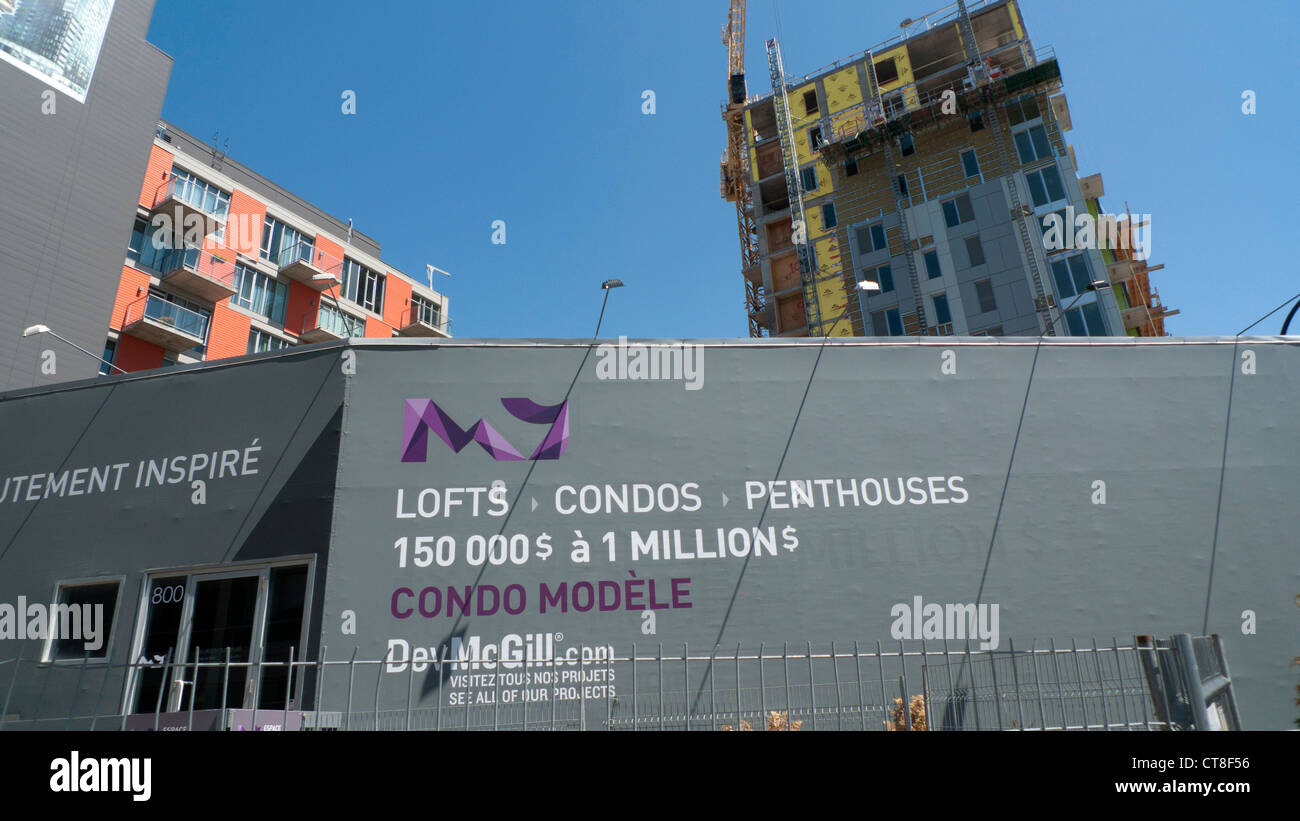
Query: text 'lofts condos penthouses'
x=935, y=166
x=222, y=262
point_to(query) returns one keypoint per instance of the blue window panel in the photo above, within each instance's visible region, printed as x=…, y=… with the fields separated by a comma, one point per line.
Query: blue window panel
x=878, y=237
x=1092, y=317
x=1074, y=320
x=942, y=314
x=932, y=265
x=894, y=321
x=885, y=276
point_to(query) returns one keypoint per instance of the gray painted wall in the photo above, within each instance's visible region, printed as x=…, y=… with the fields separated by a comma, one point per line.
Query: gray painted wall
x=69, y=182
x=1148, y=419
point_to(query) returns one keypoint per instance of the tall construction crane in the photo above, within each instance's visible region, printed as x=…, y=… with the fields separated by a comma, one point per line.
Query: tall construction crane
x=735, y=174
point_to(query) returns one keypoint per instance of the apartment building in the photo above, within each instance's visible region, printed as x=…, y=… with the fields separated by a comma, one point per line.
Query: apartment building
x=934, y=168
x=223, y=262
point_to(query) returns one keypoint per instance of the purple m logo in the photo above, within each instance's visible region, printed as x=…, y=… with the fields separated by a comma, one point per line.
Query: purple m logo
x=422, y=416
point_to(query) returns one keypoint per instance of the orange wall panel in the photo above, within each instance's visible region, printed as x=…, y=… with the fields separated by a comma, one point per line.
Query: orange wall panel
x=377, y=328
x=397, y=301
x=300, y=309
x=333, y=249
x=160, y=162
x=244, y=228
x=228, y=335
x=136, y=354
x=127, y=296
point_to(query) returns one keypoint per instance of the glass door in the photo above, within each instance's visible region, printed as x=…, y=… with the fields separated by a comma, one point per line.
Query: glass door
x=225, y=617
x=192, y=620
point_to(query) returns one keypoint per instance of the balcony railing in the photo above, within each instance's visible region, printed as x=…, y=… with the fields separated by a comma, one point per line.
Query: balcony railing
x=165, y=323
x=303, y=261
x=326, y=324
x=207, y=276
x=425, y=323
x=187, y=192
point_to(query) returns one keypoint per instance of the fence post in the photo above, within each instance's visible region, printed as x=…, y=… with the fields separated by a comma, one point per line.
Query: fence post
x=1192, y=677
x=18, y=663
x=1223, y=668
x=194, y=683
x=902, y=690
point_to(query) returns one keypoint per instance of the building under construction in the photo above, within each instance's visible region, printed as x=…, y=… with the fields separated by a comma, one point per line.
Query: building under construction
x=925, y=187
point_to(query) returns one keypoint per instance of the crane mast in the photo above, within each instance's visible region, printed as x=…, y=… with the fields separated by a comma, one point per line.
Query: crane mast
x=735, y=169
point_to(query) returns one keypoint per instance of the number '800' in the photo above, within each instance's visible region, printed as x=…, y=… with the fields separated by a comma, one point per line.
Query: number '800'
x=168, y=594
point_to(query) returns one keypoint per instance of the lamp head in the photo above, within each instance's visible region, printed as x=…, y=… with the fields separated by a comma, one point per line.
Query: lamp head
x=36, y=329
x=611, y=283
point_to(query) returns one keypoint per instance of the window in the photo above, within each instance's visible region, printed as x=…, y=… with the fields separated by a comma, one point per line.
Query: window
x=932, y=269
x=878, y=325
x=203, y=196
x=260, y=341
x=942, y=314
x=211, y=616
x=902, y=186
x=809, y=176
x=1022, y=110
x=958, y=210
x=810, y=102
x=1064, y=234
x=814, y=138
x=1032, y=144
x=974, y=250
x=886, y=71
x=1085, y=320
x=1045, y=185
x=829, y=219
x=984, y=293
x=81, y=620
x=907, y=145
x=282, y=244
x=149, y=247
x=894, y=321
x=363, y=286
x=976, y=121
x=851, y=167
x=969, y=164
x=110, y=352
x=261, y=294
x=1071, y=276
x=884, y=276
x=426, y=311
x=338, y=323
x=993, y=330
x=872, y=239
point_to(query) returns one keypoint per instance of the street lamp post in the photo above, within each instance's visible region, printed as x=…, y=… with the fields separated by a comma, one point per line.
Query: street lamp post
x=608, y=285
x=45, y=329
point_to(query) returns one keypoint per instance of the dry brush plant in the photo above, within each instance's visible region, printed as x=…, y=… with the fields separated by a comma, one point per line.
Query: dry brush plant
x=776, y=720
x=897, y=721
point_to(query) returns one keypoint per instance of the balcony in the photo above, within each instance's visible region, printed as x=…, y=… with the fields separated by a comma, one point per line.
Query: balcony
x=328, y=324
x=165, y=324
x=198, y=273
x=435, y=325
x=303, y=262
x=188, y=206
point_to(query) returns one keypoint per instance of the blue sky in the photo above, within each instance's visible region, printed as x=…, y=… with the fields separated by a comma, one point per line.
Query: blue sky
x=531, y=113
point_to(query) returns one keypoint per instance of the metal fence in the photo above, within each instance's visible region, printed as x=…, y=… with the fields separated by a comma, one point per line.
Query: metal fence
x=1139, y=685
